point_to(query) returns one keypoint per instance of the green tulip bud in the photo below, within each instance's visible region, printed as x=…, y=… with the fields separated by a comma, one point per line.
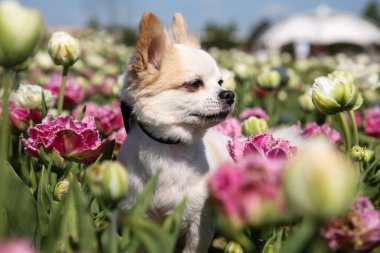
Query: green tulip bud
x=30, y=96
x=269, y=79
x=63, y=49
x=108, y=181
x=61, y=189
x=254, y=126
x=362, y=154
x=233, y=247
x=21, y=31
x=336, y=93
x=306, y=102
x=319, y=181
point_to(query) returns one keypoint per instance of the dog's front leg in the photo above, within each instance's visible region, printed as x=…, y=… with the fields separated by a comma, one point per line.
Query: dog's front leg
x=198, y=221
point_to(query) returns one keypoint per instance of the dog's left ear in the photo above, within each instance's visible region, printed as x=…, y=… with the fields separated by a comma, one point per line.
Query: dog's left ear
x=179, y=33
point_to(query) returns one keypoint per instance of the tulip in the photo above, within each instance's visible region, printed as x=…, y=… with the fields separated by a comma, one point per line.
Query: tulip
x=16, y=246
x=254, y=126
x=63, y=49
x=230, y=127
x=335, y=93
x=362, y=154
x=306, y=103
x=30, y=96
x=256, y=111
x=21, y=31
x=357, y=231
x=61, y=189
x=372, y=122
x=108, y=181
x=319, y=182
x=233, y=247
x=65, y=138
x=263, y=144
x=269, y=79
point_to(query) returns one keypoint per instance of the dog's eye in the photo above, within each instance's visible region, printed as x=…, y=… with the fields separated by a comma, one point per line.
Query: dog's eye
x=194, y=85
x=220, y=82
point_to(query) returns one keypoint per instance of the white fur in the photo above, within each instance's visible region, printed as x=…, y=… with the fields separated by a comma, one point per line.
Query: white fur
x=183, y=167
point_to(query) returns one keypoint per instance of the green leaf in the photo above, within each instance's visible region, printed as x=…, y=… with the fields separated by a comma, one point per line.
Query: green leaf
x=44, y=106
x=17, y=204
x=145, y=198
x=44, y=198
x=81, y=114
x=172, y=224
x=86, y=228
x=302, y=238
x=153, y=239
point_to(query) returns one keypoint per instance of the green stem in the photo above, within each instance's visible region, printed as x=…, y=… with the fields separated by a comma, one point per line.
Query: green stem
x=112, y=239
x=4, y=148
x=346, y=130
x=62, y=90
x=270, y=99
x=354, y=128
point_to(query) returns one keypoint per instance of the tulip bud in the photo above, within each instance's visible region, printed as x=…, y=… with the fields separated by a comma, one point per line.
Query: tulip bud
x=362, y=154
x=335, y=93
x=21, y=31
x=61, y=189
x=306, y=102
x=233, y=247
x=319, y=182
x=108, y=181
x=63, y=49
x=30, y=96
x=269, y=79
x=254, y=126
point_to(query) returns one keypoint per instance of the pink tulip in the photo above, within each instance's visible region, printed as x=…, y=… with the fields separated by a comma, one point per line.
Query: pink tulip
x=372, y=122
x=263, y=144
x=256, y=112
x=119, y=137
x=73, y=140
x=16, y=246
x=20, y=117
x=230, y=127
x=74, y=93
x=358, y=230
x=313, y=129
x=250, y=191
x=108, y=118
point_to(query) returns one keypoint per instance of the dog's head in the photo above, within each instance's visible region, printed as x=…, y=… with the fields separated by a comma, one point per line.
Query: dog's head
x=172, y=85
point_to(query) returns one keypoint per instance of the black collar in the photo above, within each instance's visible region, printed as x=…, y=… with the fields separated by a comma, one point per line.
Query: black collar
x=126, y=111
x=158, y=139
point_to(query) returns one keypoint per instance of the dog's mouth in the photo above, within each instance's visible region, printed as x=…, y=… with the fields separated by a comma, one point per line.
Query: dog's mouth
x=211, y=117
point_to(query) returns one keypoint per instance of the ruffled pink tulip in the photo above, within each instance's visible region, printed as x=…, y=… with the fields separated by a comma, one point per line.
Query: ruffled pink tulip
x=256, y=112
x=230, y=127
x=16, y=246
x=313, y=129
x=372, y=122
x=263, y=144
x=358, y=230
x=20, y=117
x=119, y=137
x=108, y=118
x=74, y=93
x=250, y=191
x=73, y=140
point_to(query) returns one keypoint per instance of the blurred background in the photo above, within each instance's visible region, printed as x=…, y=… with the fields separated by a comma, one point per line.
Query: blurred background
x=307, y=27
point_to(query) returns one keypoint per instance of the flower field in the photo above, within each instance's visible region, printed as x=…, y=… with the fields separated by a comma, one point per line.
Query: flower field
x=304, y=139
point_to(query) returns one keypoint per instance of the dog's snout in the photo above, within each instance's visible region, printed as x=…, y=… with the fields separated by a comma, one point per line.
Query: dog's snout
x=228, y=96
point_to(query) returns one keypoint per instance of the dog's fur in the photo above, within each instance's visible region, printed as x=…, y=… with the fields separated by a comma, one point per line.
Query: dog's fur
x=159, y=90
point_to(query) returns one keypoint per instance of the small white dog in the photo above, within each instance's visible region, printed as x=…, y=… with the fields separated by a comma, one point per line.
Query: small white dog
x=172, y=94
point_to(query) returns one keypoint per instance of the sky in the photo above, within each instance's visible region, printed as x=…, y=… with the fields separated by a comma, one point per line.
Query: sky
x=244, y=13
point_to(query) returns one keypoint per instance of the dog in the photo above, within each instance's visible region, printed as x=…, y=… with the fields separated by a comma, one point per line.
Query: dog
x=172, y=94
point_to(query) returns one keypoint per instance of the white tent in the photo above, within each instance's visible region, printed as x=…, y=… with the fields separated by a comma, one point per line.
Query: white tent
x=322, y=26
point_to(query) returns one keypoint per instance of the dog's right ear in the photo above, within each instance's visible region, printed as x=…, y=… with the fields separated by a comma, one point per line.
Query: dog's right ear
x=151, y=43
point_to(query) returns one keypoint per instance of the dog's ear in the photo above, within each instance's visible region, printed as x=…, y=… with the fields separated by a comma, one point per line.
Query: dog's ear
x=179, y=34
x=151, y=43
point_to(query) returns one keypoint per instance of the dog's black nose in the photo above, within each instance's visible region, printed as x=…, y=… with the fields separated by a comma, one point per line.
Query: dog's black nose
x=228, y=96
